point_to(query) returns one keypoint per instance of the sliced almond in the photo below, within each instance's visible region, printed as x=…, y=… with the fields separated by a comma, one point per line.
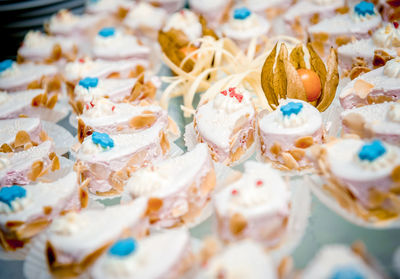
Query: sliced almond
x=237, y=224
x=52, y=102
x=36, y=170
x=84, y=196
x=362, y=88
x=21, y=138
x=396, y=174
x=142, y=121
x=289, y=161
x=165, y=146
x=304, y=142
x=276, y=149
x=33, y=228
x=55, y=164
x=153, y=205
x=297, y=154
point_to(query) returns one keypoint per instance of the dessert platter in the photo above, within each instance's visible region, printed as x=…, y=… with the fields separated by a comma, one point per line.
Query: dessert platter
x=195, y=139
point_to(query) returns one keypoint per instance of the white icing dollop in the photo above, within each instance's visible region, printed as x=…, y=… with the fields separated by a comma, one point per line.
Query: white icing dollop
x=230, y=104
x=69, y=224
x=122, y=266
x=88, y=147
x=14, y=70
x=387, y=36
x=4, y=161
x=293, y=120
x=99, y=108
x=18, y=204
x=382, y=162
x=252, y=21
x=357, y=18
x=146, y=15
x=187, y=22
x=4, y=97
x=79, y=68
x=91, y=93
x=118, y=40
x=62, y=18
x=146, y=181
x=394, y=113
x=392, y=68
x=36, y=39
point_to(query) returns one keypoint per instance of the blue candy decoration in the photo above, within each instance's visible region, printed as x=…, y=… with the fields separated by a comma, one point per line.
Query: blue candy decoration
x=347, y=272
x=241, y=13
x=103, y=139
x=363, y=8
x=107, y=32
x=4, y=65
x=123, y=247
x=372, y=151
x=291, y=108
x=89, y=82
x=9, y=194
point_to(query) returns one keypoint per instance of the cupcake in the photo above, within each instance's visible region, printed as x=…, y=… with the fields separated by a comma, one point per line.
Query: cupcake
x=377, y=86
x=361, y=176
x=227, y=125
x=162, y=255
x=385, y=40
x=23, y=167
x=309, y=12
x=115, y=45
x=256, y=206
x=25, y=211
x=185, y=21
x=170, y=6
x=105, y=116
x=39, y=47
x=106, y=162
x=286, y=132
x=178, y=188
x=212, y=10
x=339, y=261
x=16, y=77
x=381, y=121
x=243, y=25
x=341, y=29
x=75, y=241
x=145, y=20
x=244, y=259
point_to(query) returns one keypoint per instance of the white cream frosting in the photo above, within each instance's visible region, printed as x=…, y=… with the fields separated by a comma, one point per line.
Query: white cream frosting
x=88, y=147
x=252, y=21
x=12, y=71
x=385, y=161
x=4, y=161
x=4, y=97
x=387, y=36
x=323, y=2
x=99, y=108
x=117, y=41
x=147, y=181
x=78, y=69
x=69, y=224
x=357, y=18
x=146, y=15
x=63, y=18
x=35, y=39
x=91, y=93
x=394, y=113
x=18, y=204
x=186, y=21
x=293, y=120
x=230, y=104
x=392, y=68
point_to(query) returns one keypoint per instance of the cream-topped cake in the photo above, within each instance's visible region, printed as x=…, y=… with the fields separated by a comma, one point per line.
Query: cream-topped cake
x=161, y=255
x=23, y=167
x=338, y=261
x=244, y=259
x=39, y=47
x=380, y=121
x=104, y=116
x=114, y=44
x=362, y=19
x=377, y=86
x=107, y=161
x=212, y=10
x=227, y=124
x=244, y=25
x=145, y=19
x=108, y=7
x=15, y=77
x=286, y=132
x=185, y=21
x=363, y=174
x=169, y=6
x=25, y=211
x=76, y=240
x=21, y=133
x=179, y=188
x=386, y=38
x=255, y=206
x=309, y=12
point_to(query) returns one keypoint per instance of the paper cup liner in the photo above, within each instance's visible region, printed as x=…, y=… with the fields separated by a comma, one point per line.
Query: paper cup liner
x=316, y=184
x=59, y=112
x=63, y=139
x=73, y=121
x=190, y=140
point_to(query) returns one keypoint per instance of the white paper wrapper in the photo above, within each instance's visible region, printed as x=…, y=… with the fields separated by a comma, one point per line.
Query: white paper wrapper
x=59, y=112
x=63, y=139
x=316, y=183
x=191, y=141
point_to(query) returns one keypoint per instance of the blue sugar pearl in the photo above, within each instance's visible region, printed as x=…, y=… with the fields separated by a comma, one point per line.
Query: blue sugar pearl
x=347, y=272
x=4, y=65
x=9, y=194
x=241, y=13
x=103, y=139
x=291, y=108
x=363, y=8
x=372, y=151
x=89, y=82
x=107, y=32
x=123, y=247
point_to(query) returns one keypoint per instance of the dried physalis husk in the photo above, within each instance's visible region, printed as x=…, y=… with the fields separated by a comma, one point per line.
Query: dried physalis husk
x=295, y=87
x=297, y=57
x=380, y=58
x=332, y=81
x=317, y=65
x=280, y=80
x=267, y=75
x=205, y=29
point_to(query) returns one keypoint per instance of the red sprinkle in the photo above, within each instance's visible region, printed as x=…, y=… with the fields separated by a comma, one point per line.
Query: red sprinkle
x=259, y=183
x=232, y=90
x=224, y=93
x=396, y=24
x=113, y=107
x=234, y=192
x=81, y=60
x=91, y=103
x=87, y=106
x=239, y=97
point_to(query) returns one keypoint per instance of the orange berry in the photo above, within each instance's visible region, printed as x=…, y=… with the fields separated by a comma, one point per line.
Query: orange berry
x=187, y=50
x=311, y=82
